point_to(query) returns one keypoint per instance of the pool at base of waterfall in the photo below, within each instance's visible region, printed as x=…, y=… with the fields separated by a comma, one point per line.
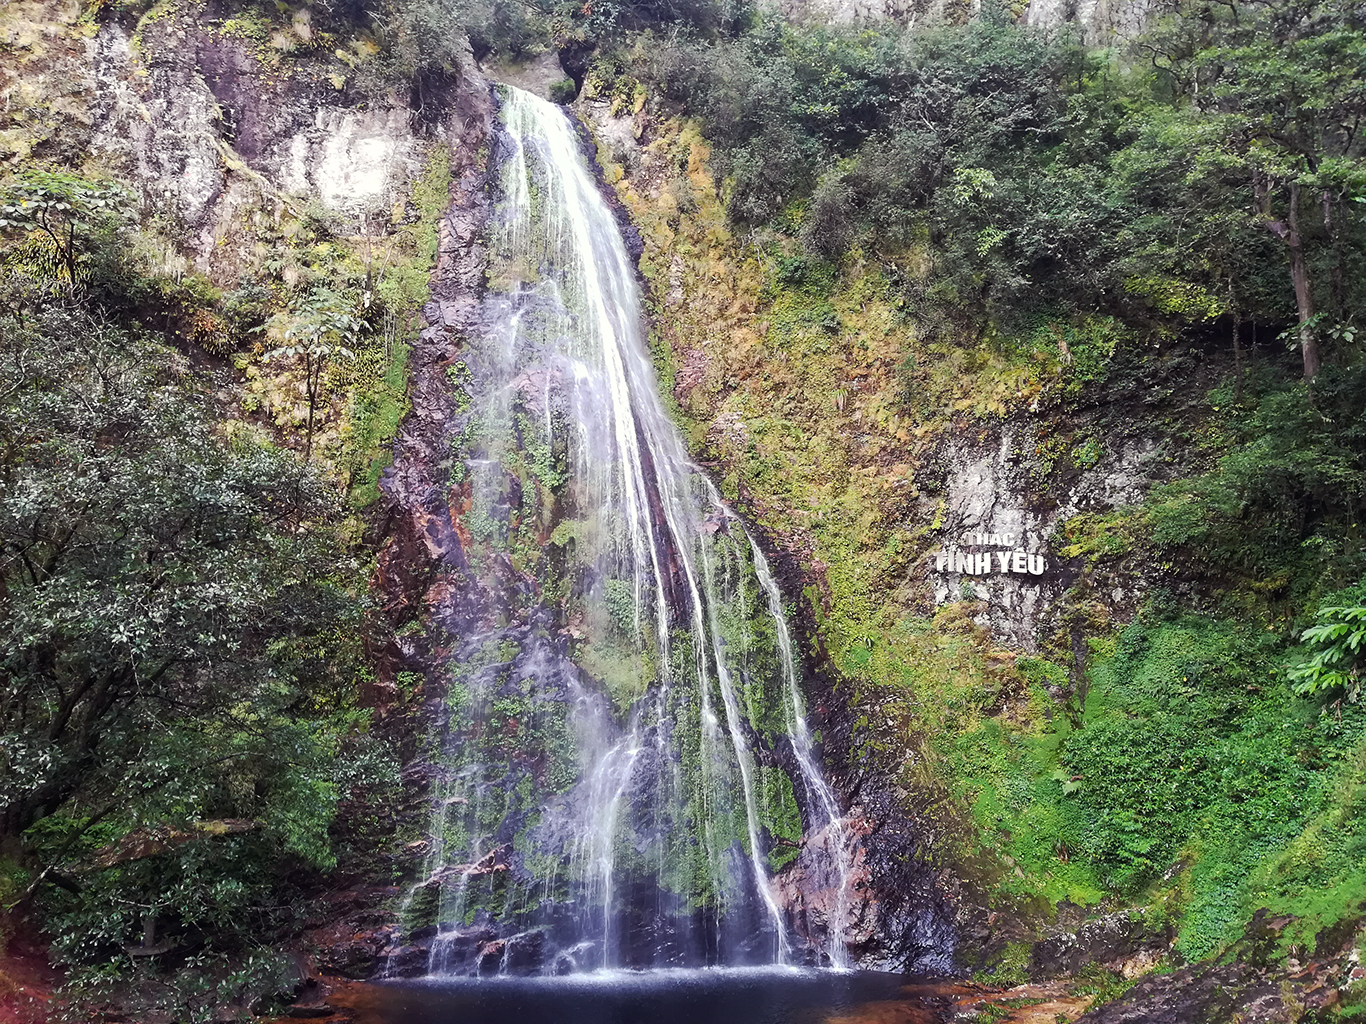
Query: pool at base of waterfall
x=773, y=995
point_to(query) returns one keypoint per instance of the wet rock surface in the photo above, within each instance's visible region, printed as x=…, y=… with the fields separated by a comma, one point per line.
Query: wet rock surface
x=465, y=609
x=1114, y=939
x=1228, y=992
x=190, y=117
x=1252, y=983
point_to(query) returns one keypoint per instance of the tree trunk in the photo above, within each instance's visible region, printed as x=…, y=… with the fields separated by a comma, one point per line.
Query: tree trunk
x=1237, y=344
x=1237, y=363
x=312, y=373
x=1288, y=231
x=1330, y=225
x=1304, y=296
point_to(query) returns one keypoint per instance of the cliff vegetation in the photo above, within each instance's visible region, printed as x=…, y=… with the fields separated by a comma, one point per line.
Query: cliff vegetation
x=1135, y=274
x=911, y=237
x=204, y=361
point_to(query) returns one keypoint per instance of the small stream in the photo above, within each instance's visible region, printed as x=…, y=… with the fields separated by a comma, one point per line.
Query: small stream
x=772, y=995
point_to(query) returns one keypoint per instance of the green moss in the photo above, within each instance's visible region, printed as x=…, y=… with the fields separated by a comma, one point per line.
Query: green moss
x=1317, y=877
x=379, y=396
x=1099, y=535
x=1010, y=968
x=624, y=672
x=780, y=816
x=422, y=908
x=621, y=607
x=373, y=419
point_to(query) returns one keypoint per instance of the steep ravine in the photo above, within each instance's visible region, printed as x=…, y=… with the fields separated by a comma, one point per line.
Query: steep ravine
x=851, y=464
x=900, y=896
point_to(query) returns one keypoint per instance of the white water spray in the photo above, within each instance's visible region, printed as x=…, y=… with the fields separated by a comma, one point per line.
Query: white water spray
x=611, y=759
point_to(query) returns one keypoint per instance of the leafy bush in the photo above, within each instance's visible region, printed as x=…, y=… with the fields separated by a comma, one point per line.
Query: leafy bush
x=64, y=216
x=1195, y=779
x=563, y=91
x=1281, y=506
x=1333, y=648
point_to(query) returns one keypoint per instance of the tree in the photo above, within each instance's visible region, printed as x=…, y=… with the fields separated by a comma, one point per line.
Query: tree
x=176, y=610
x=322, y=328
x=156, y=579
x=1292, y=74
x=1186, y=247
x=64, y=213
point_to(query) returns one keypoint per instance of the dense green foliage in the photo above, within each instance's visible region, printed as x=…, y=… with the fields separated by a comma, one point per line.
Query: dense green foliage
x=182, y=594
x=1193, y=782
x=1280, y=508
x=1209, y=766
x=66, y=213
x=1002, y=177
x=143, y=554
x=181, y=622
x=1334, y=659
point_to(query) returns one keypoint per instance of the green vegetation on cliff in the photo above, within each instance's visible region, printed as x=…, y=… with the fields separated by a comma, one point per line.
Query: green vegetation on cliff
x=176, y=721
x=1005, y=177
x=901, y=237
x=965, y=232
x=185, y=690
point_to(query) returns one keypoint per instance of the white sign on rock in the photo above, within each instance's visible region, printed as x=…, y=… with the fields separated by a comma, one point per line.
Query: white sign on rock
x=968, y=557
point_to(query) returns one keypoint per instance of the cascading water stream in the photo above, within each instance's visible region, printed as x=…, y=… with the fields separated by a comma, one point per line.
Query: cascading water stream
x=622, y=764
x=823, y=806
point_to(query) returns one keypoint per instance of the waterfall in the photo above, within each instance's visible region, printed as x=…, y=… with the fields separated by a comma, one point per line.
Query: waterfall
x=620, y=764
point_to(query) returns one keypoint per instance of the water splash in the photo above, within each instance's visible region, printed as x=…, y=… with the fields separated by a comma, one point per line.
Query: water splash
x=608, y=774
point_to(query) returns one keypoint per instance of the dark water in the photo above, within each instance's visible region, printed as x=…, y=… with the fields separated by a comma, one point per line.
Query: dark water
x=715, y=996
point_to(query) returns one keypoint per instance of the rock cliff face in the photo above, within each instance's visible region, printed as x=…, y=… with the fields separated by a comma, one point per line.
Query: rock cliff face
x=274, y=162
x=224, y=143
x=1100, y=22
x=199, y=114
x=995, y=509
x=900, y=915
x=968, y=508
x=874, y=459
x=423, y=535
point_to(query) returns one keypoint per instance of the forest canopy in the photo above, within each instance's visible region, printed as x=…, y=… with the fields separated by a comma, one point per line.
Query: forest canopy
x=1210, y=169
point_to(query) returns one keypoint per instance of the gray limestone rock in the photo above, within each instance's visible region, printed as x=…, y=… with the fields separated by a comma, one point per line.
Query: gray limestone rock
x=994, y=506
x=208, y=138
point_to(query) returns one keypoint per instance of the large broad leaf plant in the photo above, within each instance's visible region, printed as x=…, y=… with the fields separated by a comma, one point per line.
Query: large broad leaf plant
x=1334, y=649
